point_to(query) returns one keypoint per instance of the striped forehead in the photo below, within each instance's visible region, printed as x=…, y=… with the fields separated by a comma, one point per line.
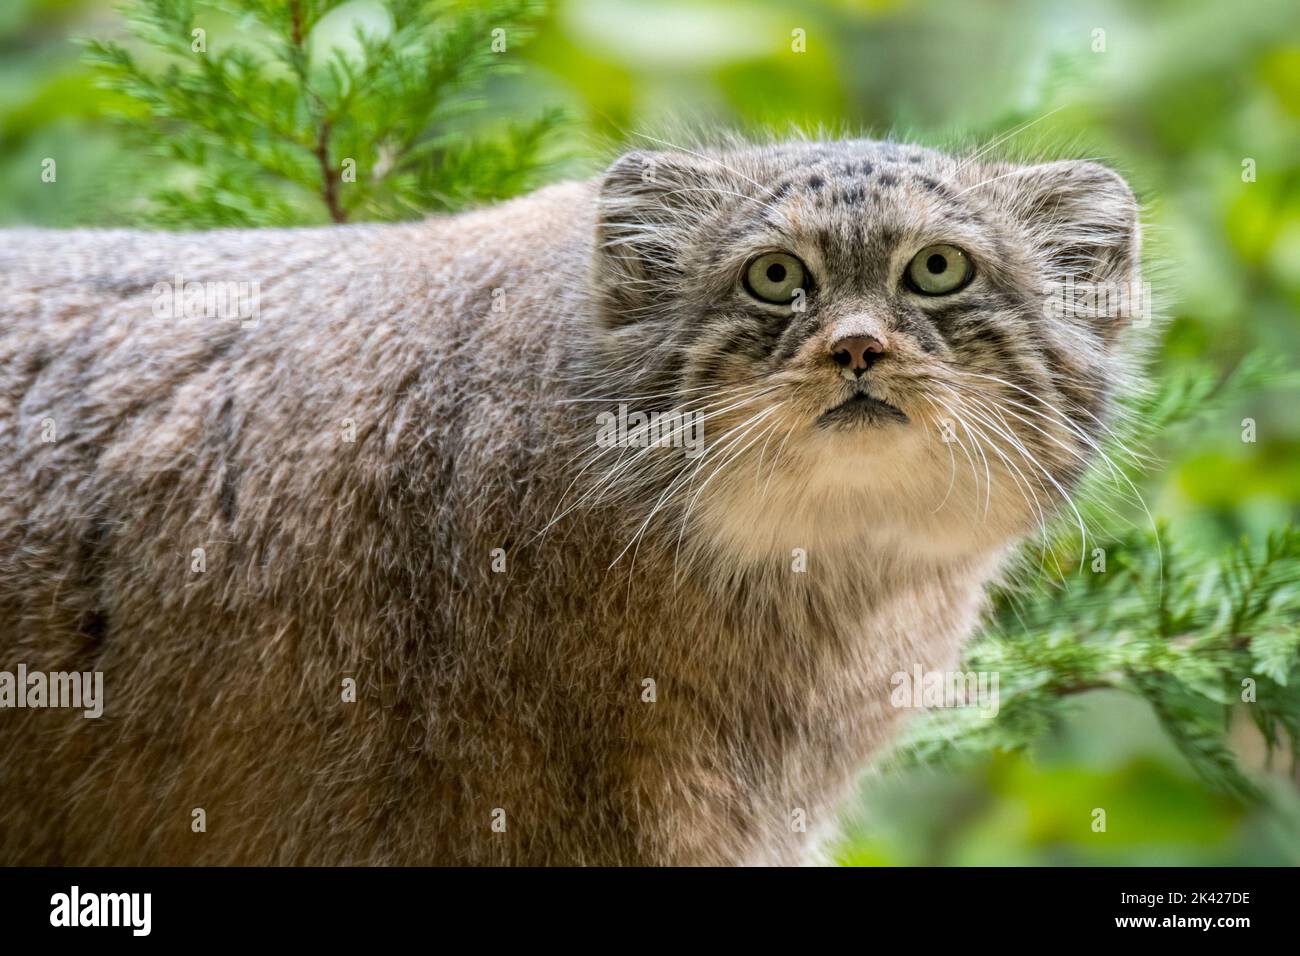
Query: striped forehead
x=856, y=210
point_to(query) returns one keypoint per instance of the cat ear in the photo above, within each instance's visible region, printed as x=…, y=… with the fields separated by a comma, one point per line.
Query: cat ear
x=648, y=204
x=1083, y=218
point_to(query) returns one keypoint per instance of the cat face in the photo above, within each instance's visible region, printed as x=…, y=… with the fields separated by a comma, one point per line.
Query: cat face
x=874, y=332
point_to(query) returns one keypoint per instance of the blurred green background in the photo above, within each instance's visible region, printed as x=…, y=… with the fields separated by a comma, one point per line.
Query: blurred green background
x=1186, y=97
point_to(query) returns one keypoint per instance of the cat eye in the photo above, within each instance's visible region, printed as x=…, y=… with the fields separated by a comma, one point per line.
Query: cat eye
x=774, y=277
x=939, y=270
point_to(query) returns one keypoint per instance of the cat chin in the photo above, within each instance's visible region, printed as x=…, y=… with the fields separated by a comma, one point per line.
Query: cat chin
x=889, y=499
x=753, y=535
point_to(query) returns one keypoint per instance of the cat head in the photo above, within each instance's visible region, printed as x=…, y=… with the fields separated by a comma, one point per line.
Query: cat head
x=881, y=339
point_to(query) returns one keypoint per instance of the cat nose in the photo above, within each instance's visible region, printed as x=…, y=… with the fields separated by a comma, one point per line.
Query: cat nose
x=856, y=353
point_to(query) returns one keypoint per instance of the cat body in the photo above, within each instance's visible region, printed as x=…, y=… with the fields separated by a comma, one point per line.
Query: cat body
x=365, y=587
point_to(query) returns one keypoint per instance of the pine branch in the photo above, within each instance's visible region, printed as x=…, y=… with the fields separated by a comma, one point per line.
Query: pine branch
x=269, y=125
x=1194, y=635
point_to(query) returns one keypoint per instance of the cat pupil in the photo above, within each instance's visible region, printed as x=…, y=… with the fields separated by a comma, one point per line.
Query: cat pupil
x=936, y=264
x=776, y=272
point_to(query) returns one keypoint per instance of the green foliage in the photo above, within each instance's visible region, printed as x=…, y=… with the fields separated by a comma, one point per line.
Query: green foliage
x=278, y=115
